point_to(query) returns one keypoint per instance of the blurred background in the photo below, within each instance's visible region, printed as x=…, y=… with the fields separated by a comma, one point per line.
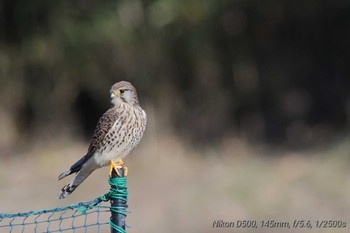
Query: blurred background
x=248, y=105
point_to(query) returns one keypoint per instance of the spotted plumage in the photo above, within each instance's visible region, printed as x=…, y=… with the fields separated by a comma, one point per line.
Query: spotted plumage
x=118, y=131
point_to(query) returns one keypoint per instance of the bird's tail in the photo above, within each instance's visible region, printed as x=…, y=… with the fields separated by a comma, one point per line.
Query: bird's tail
x=74, y=168
x=82, y=173
x=74, y=183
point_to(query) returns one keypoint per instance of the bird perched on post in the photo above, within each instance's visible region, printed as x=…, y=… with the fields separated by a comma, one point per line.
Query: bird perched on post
x=118, y=131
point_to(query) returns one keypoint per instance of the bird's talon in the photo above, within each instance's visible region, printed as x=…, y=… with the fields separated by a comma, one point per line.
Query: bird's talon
x=126, y=170
x=115, y=166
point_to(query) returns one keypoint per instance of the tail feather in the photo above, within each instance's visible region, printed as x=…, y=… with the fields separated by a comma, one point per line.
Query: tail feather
x=66, y=190
x=65, y=173
x=82, y=169
x=74, y=168
x=73, y=184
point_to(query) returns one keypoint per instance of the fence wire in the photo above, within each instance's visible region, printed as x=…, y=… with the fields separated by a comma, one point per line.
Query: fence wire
x=85, y=217
x=89, y=216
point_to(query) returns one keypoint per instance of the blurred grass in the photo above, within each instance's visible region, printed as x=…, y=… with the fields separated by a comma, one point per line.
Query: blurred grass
x=172, y=188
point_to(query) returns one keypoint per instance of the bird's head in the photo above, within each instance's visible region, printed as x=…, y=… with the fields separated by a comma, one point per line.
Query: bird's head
x=123, y=92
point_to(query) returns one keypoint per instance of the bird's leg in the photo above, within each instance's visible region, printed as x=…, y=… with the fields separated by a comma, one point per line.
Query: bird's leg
x=115, y=166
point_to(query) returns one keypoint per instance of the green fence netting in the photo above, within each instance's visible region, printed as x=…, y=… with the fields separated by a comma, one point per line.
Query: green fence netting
x=91, y=216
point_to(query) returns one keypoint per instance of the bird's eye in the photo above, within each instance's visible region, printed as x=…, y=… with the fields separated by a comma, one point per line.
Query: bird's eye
x=121, y=91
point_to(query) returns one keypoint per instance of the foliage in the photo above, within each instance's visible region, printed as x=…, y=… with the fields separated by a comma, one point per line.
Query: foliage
x=273, y=71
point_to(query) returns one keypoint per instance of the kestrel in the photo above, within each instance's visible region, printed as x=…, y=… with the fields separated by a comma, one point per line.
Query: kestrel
x=118, y=131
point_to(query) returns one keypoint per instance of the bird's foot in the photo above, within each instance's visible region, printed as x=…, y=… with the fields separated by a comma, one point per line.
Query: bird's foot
x=115, y=166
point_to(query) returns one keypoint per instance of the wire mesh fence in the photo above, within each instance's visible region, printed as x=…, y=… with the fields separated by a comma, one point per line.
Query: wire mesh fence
x=82, y=217
x=92, y=216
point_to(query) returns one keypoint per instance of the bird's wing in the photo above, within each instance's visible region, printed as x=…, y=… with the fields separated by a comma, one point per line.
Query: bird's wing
x=105, y=123
x=103, y=126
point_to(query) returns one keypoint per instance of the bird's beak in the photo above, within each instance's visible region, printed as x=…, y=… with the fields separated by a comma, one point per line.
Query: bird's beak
x=112, y=94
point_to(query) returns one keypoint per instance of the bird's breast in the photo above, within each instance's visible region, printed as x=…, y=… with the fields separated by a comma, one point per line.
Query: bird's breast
x=122, y=137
